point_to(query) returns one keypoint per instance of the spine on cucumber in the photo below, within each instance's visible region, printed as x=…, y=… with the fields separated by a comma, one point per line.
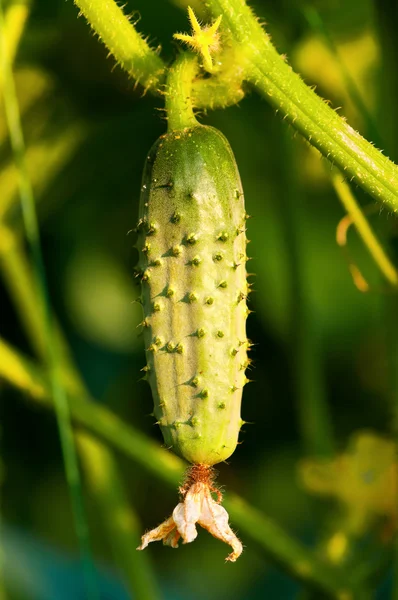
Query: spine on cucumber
x=192, y=246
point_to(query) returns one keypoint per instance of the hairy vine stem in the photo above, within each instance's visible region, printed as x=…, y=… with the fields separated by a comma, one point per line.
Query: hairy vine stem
x=270, y=75
x=307, y=112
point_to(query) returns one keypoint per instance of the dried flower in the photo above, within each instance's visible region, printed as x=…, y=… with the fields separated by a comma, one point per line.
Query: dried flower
x=197, y=507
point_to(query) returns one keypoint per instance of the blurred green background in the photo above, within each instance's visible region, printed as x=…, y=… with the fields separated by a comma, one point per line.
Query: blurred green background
x=317, y=340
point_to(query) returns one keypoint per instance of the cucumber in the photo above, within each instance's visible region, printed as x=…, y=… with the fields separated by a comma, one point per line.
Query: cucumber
x=192, y=264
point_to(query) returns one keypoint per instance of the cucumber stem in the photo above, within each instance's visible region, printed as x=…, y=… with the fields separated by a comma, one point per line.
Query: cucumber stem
x=179, y=93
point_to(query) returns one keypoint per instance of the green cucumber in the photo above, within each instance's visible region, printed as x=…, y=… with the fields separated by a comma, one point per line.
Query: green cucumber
x=192, y=247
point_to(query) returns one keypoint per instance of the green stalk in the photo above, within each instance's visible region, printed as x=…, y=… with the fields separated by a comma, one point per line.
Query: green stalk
x=304, y=110
x=32, y=234
x=278, y=545
x=124, y=530
x=142, y=63
x=271, y=76
x=361, y=224
x=131, y=51
x=179, y=91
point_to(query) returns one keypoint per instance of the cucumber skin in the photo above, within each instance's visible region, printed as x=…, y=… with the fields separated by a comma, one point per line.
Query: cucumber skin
x=192, y=246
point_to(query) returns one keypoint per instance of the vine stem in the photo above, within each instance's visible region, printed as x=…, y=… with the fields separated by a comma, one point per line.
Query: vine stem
x=40, y=281
x=179, y=107
x=271, y=76
x=293, y=556
x=304, y=110
x=135, y=56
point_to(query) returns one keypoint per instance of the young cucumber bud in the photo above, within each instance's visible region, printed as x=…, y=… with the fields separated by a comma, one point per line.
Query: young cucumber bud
x=193, y=258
